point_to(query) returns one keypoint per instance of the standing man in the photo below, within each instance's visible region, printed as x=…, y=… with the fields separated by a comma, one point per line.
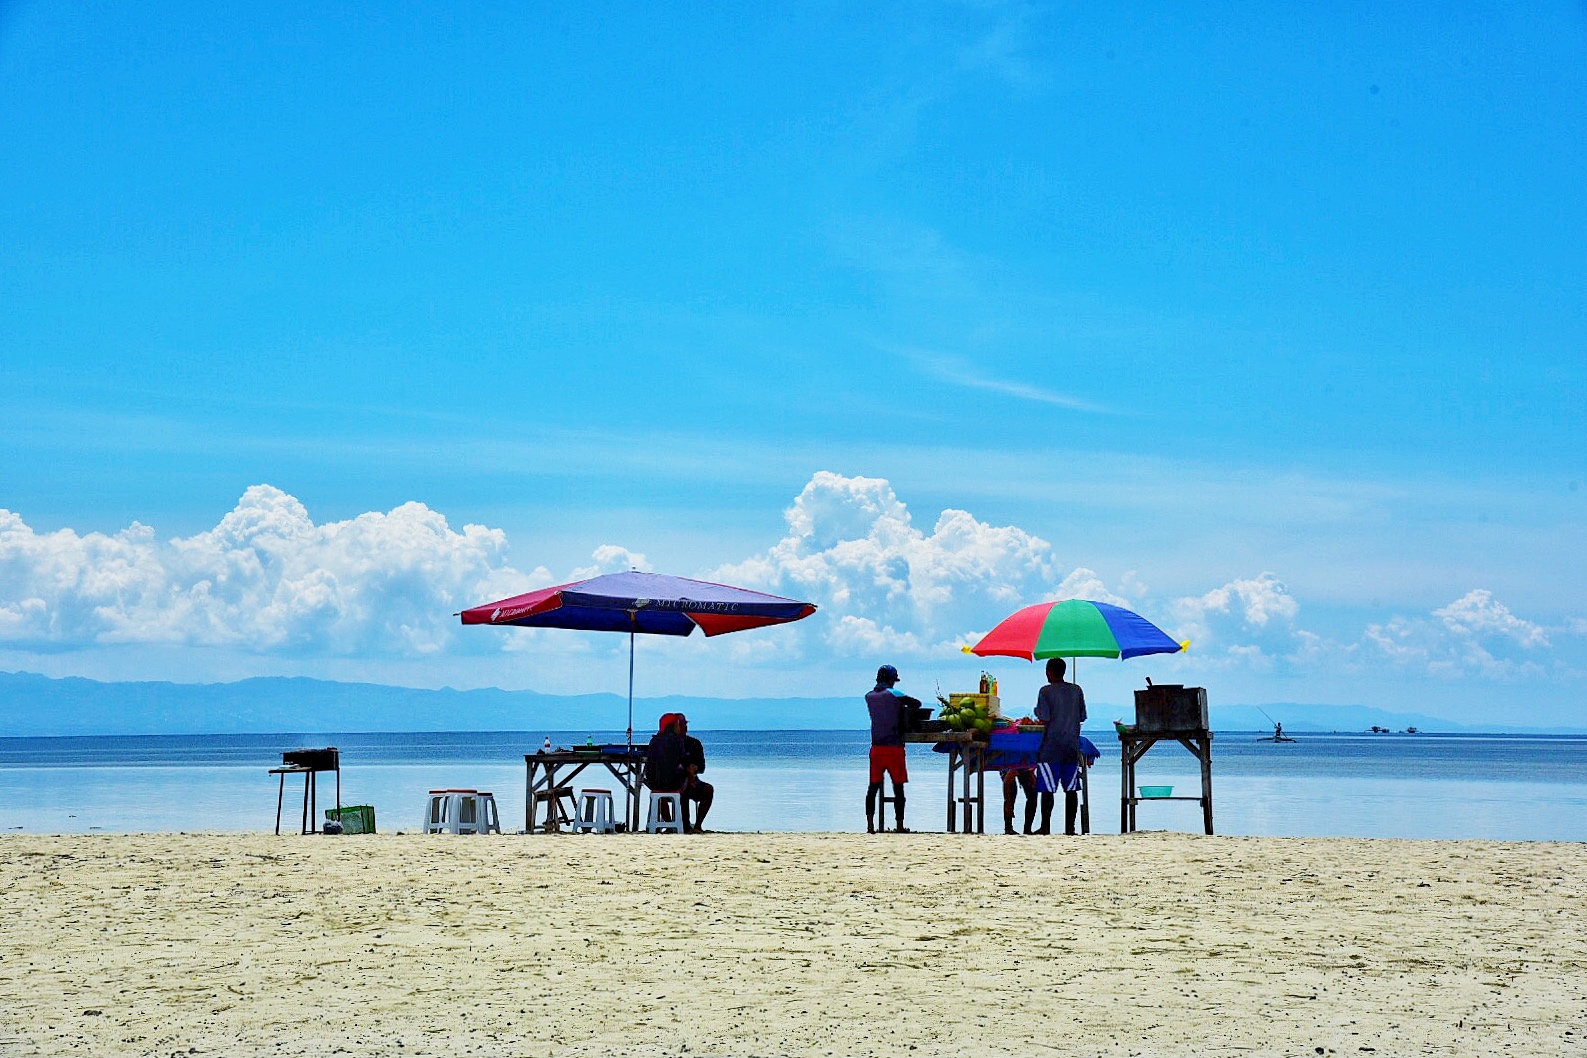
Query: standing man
x=695, y=789
x=1062, y=707
x=886, y=704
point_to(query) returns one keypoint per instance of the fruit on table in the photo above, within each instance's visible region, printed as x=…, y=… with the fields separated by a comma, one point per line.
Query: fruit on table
x=967, y=713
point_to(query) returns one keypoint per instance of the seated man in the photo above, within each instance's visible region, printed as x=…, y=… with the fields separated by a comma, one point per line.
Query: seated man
x=695, y=788
x=666, y=770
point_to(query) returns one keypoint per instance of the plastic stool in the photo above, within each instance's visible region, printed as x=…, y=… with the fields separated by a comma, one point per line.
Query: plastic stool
x=654, y=823
x=489, y=819
x=461, y=812
x=595, y=812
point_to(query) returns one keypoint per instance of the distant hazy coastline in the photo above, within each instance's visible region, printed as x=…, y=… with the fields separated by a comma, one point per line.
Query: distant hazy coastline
x=32, y=705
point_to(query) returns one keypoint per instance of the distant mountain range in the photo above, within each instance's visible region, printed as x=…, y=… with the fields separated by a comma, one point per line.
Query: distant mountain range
x=34, y=705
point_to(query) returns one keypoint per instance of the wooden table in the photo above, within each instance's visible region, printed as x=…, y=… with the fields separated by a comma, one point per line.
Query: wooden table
x=1134, y=744
x=545, y=772
x=966, y=760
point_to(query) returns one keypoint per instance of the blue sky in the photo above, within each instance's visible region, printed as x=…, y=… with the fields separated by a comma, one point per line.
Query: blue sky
x=1282, y=303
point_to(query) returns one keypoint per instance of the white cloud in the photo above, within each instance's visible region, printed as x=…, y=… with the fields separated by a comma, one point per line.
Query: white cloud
x=1476, y=635
x=1082, y=583
x=1248, y=604
x=265, y=579
x=609, y=558
x=269, y=581
x=1477, y=613
x=885, y=585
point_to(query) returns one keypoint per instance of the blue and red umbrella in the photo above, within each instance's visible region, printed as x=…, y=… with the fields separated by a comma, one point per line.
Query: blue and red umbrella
x=641, y=603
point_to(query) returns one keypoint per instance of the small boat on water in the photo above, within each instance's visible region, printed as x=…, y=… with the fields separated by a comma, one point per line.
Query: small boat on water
x=1278, y=731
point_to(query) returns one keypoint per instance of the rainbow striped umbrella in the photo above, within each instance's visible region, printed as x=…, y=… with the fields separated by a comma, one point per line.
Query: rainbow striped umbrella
x=1075, y=628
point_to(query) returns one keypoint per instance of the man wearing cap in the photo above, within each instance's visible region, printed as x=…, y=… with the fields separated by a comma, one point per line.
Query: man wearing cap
x=887, y=705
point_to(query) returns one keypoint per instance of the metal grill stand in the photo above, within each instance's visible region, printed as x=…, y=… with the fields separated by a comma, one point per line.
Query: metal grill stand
x=308, y=763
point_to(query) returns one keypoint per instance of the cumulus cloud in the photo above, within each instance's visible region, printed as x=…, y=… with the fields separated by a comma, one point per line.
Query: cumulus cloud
x=1478, y=613
x=609, y=558
x=886, y=585
x=267, y=578
x=1238, y=613
x=1476, y=635
x=270, y=580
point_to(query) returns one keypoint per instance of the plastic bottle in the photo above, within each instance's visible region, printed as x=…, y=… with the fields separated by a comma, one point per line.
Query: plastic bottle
x=547, y=747
x=589, y=740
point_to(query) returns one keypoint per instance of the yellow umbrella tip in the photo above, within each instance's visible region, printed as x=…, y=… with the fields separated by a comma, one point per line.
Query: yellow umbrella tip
x=966, y=649
x=1184, y=644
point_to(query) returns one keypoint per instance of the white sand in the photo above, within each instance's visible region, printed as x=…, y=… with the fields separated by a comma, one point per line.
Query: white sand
x=1151, y=944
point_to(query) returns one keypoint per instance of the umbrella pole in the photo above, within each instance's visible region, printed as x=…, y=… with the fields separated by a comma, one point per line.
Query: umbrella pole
x=630, y=688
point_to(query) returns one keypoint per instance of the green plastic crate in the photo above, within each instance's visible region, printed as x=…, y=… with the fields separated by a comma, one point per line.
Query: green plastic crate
x=355, y=819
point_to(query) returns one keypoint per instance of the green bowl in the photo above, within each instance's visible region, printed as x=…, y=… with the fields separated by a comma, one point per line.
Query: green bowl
x=1157, y=791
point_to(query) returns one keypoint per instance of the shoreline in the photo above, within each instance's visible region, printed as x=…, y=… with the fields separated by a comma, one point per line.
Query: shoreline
x=1158, y=943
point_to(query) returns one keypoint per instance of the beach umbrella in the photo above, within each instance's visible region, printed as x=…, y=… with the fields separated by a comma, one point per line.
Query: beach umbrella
x=1075, y=628
x=641, y=603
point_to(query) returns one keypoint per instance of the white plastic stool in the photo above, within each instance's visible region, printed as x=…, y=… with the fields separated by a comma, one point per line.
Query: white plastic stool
x=489, y=819
x=461, y=812
x=654, y=823
x=595, y=812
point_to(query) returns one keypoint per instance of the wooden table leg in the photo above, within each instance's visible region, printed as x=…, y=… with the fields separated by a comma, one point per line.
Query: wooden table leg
x=981, y=792
x=961, y=809
x=281, y=792
x=1085, y=797
x=952, y=753
x=1124, y=787
x=1206, y=783
x=1134, y=791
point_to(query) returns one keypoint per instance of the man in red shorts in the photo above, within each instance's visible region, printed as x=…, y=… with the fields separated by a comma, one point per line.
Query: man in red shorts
x=887, y=705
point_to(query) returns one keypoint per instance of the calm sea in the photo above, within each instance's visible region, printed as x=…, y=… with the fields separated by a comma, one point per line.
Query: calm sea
x=1414, y=786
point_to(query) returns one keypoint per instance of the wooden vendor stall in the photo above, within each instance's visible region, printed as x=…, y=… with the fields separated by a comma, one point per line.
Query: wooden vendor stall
x=1166, y=712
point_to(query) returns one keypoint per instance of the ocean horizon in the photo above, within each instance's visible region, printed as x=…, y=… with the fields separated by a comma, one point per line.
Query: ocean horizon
x=1444, y=786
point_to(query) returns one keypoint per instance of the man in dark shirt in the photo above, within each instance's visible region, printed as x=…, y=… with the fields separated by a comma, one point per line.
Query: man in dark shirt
x=1062, y=707
x=886, y=705
x=695, y=788
x=665, y=769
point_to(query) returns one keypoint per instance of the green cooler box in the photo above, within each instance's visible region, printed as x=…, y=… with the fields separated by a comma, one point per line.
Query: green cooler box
x=355, y=819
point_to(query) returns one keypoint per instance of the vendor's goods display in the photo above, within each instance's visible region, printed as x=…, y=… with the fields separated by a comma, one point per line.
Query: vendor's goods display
x=974, y=713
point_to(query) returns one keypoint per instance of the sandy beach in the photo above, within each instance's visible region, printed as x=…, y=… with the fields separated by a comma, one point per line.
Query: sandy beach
x=1153, y=944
